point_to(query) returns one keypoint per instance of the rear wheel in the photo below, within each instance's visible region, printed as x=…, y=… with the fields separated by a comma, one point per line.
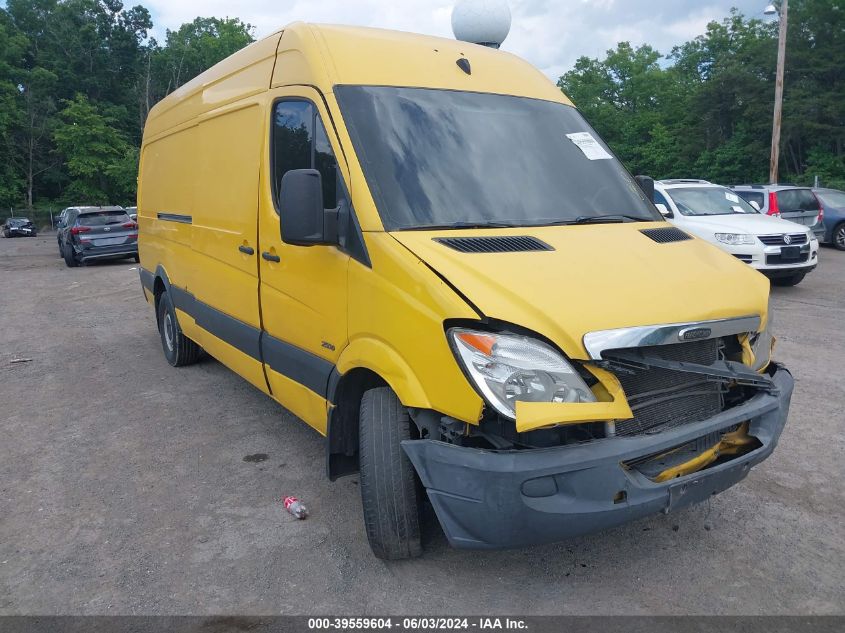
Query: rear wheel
x=388, y=483
x=838, y=236
x=137, y=259
x=792, y=280
x=179, y=350
x=70, y=257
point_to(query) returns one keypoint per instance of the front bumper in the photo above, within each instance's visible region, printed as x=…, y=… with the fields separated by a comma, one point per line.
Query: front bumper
x=488, y=499
x=767, y=259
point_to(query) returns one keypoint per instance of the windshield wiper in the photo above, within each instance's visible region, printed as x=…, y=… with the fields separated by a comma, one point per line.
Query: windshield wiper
x=461, y=225
x=609, y=218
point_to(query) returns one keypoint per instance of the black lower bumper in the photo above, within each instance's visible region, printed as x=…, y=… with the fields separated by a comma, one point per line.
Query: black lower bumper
x=774, y=273
x=488, y=499
x=116, y=251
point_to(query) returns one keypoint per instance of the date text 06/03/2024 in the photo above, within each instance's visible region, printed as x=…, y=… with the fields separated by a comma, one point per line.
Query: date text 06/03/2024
x=417, y=623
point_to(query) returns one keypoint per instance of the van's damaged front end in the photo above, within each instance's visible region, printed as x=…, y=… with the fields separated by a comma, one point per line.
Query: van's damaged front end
x=657, y=418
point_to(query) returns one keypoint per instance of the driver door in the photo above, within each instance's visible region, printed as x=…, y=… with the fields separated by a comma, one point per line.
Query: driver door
x=303, y=289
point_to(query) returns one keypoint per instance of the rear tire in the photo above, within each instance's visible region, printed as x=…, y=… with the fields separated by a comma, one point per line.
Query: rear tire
x=137, y=259
x=792, y=280
x=70, y=258
x=837, y=236
x=179, y=350
x=388, y=482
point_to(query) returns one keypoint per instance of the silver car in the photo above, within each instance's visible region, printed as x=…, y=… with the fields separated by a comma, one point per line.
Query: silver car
x=796, y=204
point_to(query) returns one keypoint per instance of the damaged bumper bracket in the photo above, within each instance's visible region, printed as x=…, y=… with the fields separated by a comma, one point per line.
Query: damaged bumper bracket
x=723, y=371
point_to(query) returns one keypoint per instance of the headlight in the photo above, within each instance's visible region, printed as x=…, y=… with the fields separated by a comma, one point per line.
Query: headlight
x=762, y=343
x=735, y=239
x=507, y=368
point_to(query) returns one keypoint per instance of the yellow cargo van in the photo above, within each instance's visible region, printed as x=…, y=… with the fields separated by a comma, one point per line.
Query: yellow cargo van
x=420, y=248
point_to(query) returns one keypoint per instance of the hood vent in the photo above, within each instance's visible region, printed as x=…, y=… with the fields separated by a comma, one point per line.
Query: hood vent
x=665, y=236
x=518, y=244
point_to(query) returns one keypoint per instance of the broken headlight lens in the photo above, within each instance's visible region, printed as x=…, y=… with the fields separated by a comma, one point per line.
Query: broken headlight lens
x=507, y=369
x=735, y=239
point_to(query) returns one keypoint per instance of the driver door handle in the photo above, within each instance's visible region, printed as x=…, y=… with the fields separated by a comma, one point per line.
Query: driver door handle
x=270, y=257
x=247, y=250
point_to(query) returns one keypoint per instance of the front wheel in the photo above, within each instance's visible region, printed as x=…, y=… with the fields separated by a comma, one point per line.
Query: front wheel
x=792, y=280
x=179, y=350
x=388, y=482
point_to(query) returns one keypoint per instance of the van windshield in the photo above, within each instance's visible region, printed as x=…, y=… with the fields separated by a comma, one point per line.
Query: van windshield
x=452, y=159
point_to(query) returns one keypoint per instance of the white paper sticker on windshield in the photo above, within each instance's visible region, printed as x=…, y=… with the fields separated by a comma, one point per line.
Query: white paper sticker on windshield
x=588, y=144
x=732, y=197
x=738, y=209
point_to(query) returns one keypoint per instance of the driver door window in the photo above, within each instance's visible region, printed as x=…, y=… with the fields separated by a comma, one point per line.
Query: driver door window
x=300, y=142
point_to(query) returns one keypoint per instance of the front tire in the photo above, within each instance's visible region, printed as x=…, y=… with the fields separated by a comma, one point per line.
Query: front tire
x=179, y=350
x=388, y=483
x=792, y=280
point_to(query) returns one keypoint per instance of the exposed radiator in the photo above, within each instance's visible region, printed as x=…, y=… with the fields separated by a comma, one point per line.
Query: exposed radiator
x=663, y=398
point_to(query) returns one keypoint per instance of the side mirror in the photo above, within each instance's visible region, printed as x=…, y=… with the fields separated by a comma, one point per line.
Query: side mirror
x=756, y=206
x=646, y=183
x=302, y=219
x=664, y=210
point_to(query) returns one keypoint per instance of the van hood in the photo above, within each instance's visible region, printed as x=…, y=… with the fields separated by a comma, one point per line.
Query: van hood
x=597, y=277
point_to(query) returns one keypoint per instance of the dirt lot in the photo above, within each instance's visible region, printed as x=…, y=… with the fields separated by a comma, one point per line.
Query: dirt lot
x=124, y=486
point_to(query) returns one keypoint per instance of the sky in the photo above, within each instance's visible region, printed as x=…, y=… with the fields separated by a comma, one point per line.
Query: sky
x=551, y=34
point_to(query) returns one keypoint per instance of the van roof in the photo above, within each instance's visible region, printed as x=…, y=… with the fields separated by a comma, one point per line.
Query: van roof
x=325, y=55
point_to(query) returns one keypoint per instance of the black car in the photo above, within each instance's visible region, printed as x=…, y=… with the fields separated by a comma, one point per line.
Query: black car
x=19, y=227
x=93, y=233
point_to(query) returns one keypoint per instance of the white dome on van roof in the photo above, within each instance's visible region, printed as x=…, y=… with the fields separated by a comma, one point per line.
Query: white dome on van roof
x=485, y=22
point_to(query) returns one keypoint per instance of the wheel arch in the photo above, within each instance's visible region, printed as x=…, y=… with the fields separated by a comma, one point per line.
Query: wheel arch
x=364, y=364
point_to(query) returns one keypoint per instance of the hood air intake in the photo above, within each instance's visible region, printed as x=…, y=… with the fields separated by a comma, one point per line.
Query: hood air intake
x=519, y=244
x=665, y=236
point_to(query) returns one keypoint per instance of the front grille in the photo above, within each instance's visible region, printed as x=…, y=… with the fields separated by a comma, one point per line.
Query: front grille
x=777, y=240
x=662, y=399
x=516, y=244
x=777, y=259
x=744, y=258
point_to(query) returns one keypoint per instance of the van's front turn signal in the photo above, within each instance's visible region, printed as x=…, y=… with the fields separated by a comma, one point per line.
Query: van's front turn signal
x=507, y=369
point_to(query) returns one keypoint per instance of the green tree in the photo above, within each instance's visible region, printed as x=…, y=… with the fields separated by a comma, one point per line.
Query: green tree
x=12, y=46
x=195, y=47
x=97, y=155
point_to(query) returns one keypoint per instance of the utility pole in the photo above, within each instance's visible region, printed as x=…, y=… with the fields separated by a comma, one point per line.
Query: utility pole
x=773, y=163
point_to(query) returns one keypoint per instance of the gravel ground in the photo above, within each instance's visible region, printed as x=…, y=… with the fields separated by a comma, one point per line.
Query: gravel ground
x=126, y=487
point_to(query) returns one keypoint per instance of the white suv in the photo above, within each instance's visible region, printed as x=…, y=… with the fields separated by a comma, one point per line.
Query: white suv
x=781, y=250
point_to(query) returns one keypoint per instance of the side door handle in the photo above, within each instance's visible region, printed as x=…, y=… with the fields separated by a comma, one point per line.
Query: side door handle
x=247, y=250
x=270, y=257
